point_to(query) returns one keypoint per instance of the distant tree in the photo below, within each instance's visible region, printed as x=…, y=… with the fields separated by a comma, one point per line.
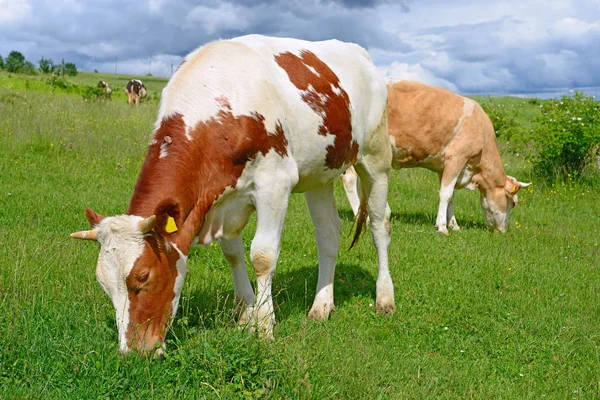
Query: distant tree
x=15, y=61
x=46, y=65
x=95, y=71
x=28, y=68
x=1, y=62
x=70, y=69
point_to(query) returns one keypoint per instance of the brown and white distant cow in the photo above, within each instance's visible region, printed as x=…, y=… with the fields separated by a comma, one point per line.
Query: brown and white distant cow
x=231, y=140
x=105, y=87
x=449, y=134
x=136, y=91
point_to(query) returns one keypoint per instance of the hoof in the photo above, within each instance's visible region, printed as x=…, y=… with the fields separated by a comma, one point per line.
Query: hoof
x=385, y=308
x=443, y=230
x=320, y=312
x=265, y=333
x=242, y=311
x=261, y=325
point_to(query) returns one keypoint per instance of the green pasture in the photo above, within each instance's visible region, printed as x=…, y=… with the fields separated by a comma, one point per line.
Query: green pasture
x=480, y=315
x=16, y=83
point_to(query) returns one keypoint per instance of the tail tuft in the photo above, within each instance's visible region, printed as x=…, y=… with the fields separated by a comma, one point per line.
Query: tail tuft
x=361, y=218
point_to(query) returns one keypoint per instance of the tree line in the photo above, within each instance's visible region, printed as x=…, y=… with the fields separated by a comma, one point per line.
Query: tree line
x=15, y=62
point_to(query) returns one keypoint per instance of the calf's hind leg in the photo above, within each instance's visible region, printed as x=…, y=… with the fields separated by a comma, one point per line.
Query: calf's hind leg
x=445, y=216
x=374, y=187
x=350, y=182
x=328, y=226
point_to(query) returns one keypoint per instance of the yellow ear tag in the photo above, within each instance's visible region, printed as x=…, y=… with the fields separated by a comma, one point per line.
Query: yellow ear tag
x=171, y=226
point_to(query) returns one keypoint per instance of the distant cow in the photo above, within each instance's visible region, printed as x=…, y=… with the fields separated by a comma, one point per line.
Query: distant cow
x=105, y=87
x=242, y=124
x=136, y=91
x=449, y=134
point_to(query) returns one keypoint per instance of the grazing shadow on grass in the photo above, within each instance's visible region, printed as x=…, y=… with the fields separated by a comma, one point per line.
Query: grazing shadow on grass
x=206, y=309
x=417, y=218
x=470, y=224
x=293, y=293
x=428, y=220
x=295, y=290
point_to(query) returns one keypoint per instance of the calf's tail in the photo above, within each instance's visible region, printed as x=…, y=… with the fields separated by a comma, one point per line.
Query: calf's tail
x=361, y=217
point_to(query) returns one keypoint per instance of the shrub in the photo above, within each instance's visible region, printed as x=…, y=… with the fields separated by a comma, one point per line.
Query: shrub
x=504, y=117
x=29, y=68
x=567, y=135
x=57, y=82
x=71, y=69
x=46, y=65
x=93, y=92
x=15, y=61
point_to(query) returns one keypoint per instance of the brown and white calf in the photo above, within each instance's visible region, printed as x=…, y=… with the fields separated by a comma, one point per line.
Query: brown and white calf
x=136, y=91
x=105, y=87
x=230, y=140
x=433, y=128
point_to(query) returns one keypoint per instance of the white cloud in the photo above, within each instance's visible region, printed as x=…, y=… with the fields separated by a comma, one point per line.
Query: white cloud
x=402, y=71
x=14, y=11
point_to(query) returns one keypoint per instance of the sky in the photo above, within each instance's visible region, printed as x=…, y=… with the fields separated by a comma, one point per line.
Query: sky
x=492, y=46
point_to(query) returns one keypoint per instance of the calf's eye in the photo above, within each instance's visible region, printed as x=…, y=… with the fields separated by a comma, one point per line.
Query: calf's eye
x=143, y=277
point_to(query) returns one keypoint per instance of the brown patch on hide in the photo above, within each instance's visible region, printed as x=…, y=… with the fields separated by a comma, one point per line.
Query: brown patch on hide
x=322, y=92
x=197, y=171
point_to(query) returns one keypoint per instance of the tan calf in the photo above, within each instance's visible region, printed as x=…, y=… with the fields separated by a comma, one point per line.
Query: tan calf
x=449, y=134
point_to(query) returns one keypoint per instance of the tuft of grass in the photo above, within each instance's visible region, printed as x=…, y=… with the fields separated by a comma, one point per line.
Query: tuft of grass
x=479, y=314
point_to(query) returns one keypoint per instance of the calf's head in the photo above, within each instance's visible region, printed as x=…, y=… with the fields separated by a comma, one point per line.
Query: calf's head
x=142, y=272
x=497, y=201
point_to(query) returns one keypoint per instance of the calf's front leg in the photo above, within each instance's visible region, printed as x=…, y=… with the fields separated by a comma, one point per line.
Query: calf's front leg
x=271, y=202
x=233, y=250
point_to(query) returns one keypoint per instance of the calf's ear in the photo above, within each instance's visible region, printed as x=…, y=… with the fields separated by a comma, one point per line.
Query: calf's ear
x=93, y=217
x=168, y=217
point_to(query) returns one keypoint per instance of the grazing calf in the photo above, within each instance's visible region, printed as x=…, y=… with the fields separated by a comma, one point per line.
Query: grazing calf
x=231, y=140
x=449, y=134
x=136, y=91
x=105, y=87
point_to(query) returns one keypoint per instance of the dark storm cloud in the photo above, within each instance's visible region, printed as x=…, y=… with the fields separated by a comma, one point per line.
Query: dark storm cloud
x=499, y=46
x=97, y=32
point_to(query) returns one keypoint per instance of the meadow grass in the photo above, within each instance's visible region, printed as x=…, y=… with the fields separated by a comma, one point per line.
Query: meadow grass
x=18, y=83
x=480, y=315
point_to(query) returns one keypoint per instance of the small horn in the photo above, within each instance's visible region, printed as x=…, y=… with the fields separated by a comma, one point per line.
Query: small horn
x=525, y=184
x=146, y=225
x=85, y=235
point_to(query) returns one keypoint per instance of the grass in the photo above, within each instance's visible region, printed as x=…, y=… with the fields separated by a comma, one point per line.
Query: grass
x=480, y=315
x=18, y=83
